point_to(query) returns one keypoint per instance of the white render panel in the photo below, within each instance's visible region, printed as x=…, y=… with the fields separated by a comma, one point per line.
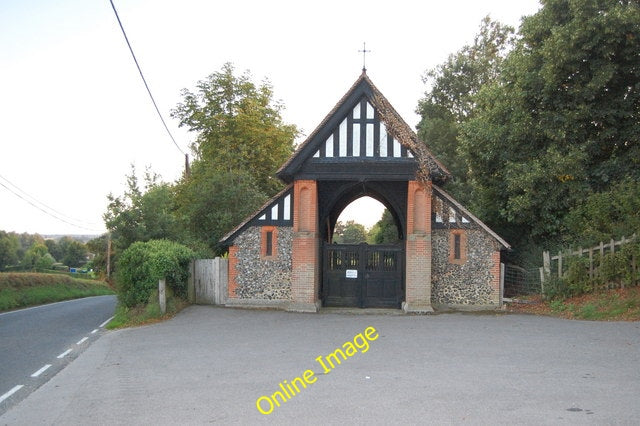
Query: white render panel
x=274, y=212
x=287, y=207
x=343, y=138
x=370, y=111
x=369, y=141
x=383, y=140
x=328, y=149
x=397, y=149
x=355, y=149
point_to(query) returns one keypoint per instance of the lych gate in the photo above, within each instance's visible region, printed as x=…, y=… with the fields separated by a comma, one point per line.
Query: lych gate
x=283, y=255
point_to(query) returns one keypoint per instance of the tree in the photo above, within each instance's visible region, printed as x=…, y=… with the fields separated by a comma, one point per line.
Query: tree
x=37, y=257
x=210, y=203
x=239, y=127
x=560, y=122
x=98, y=247
x=142, y=214
x=354, y=233
x=385, y=230
x=8, y=249
x=74, y=253
x=450, y=100
x=240, y=144
x=54, y=249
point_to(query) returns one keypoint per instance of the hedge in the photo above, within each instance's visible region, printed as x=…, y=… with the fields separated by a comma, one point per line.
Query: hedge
x=143, y=264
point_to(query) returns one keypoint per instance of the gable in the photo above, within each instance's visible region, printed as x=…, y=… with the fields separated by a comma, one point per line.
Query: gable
x=447, y=213
x=361, y=137
x=278, y=211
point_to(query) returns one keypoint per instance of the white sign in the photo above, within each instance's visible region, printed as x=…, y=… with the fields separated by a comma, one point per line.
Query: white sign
x=352, y=273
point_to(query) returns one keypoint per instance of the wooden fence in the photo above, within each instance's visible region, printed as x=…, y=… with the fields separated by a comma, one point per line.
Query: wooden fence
x=548, y=268
x=208, y=281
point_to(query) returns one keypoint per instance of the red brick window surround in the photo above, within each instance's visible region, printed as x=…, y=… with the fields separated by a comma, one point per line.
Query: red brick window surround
x=269, y=243
x=457, y=247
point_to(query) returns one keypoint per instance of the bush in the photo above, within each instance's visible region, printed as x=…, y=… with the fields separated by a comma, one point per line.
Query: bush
x=142, y=265
x=577, y=276
x=556, y=289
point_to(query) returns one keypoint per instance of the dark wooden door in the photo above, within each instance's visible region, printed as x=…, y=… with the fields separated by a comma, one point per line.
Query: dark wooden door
x=362, y=275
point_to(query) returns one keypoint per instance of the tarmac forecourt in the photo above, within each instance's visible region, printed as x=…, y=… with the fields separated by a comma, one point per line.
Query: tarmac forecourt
x=266, y=403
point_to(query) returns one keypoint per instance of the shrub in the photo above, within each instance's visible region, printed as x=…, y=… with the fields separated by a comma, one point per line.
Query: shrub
x=556, y=289
x=577, y=276
x=143, y=264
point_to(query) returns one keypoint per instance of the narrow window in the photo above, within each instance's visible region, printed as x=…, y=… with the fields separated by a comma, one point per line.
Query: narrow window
x=456, y=246
x=269, y=243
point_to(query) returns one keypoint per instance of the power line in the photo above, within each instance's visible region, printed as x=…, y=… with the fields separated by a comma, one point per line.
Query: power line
x=34, y=199
x=144, y=80
x=47, y=212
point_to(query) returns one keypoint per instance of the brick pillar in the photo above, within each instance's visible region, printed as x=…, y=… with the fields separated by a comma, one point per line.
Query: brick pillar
x=418, y=249
x=233, y=272
x=495, y=278
x=305, y=256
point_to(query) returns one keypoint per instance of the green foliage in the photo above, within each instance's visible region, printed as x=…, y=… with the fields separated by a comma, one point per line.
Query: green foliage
x=73, y=252
x=211, y=203
x=349, y=233
x=37, y=258
x=577, y=276
x=143, y=264
x=607, y=214
x=142, y=214
x=144, y=314
x=556, y=288
x=385, y=230
x=18, y=290
x=239, y=127
x=8, y=249
x=450, y=100
x=561, y=120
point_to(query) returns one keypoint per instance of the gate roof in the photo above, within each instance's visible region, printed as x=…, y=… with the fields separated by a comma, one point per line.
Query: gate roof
x=363, y=136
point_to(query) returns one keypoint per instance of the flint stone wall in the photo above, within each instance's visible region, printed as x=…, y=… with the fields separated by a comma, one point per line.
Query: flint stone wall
x=468, y=284
x=258, y=278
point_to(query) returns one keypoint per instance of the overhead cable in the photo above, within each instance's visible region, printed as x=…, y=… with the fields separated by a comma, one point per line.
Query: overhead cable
x=47, y=212
x=144, y=80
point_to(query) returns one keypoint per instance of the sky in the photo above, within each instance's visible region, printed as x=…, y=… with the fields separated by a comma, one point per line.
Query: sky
x=75, y=115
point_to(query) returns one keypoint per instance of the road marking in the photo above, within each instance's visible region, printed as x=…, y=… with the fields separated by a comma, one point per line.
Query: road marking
x=95, y=330
x=81, y=341
x=105, y=323
x=42, y=370
x=44, y=306
x=11, y=392
x=65, y=353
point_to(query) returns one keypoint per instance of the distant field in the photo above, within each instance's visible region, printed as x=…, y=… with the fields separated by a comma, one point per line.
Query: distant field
x=19, y=290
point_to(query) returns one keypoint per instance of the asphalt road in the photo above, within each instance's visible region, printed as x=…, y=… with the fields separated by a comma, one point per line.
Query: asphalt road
x=211, y=365
x=33, y=338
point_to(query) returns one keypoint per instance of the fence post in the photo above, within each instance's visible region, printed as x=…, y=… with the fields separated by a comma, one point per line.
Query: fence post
x=546, y=262
x=502, y=271
x=541, y=280
x=560, y=264
x=162, y=295
x=191, y=286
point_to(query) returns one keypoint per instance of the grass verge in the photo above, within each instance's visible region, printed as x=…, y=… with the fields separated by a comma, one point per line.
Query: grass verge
x=21, y=290
x=609, y=305
x=146, y=313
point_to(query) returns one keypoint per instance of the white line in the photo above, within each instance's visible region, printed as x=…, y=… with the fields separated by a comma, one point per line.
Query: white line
x=42, y=370
x=65, y=353
x=105, y=323
x=44, y=306
x=81, y=341
x=11, y=392
x=95, y=330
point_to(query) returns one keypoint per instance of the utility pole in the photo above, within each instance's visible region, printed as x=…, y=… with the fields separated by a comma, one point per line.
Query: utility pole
x=108, y=255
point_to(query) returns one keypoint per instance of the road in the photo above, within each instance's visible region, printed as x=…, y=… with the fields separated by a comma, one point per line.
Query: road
x=32, y=338
x=212, y=365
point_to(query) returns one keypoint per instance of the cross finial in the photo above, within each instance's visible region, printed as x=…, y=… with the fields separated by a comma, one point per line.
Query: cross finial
x=364, y=52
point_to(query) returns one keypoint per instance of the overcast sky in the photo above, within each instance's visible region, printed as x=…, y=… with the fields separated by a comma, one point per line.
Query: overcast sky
x=74, y=113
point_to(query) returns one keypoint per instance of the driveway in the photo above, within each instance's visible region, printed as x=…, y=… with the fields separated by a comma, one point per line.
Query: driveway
x=211, y=365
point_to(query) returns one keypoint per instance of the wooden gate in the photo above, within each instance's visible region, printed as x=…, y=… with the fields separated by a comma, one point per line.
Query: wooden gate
x=363, y=276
